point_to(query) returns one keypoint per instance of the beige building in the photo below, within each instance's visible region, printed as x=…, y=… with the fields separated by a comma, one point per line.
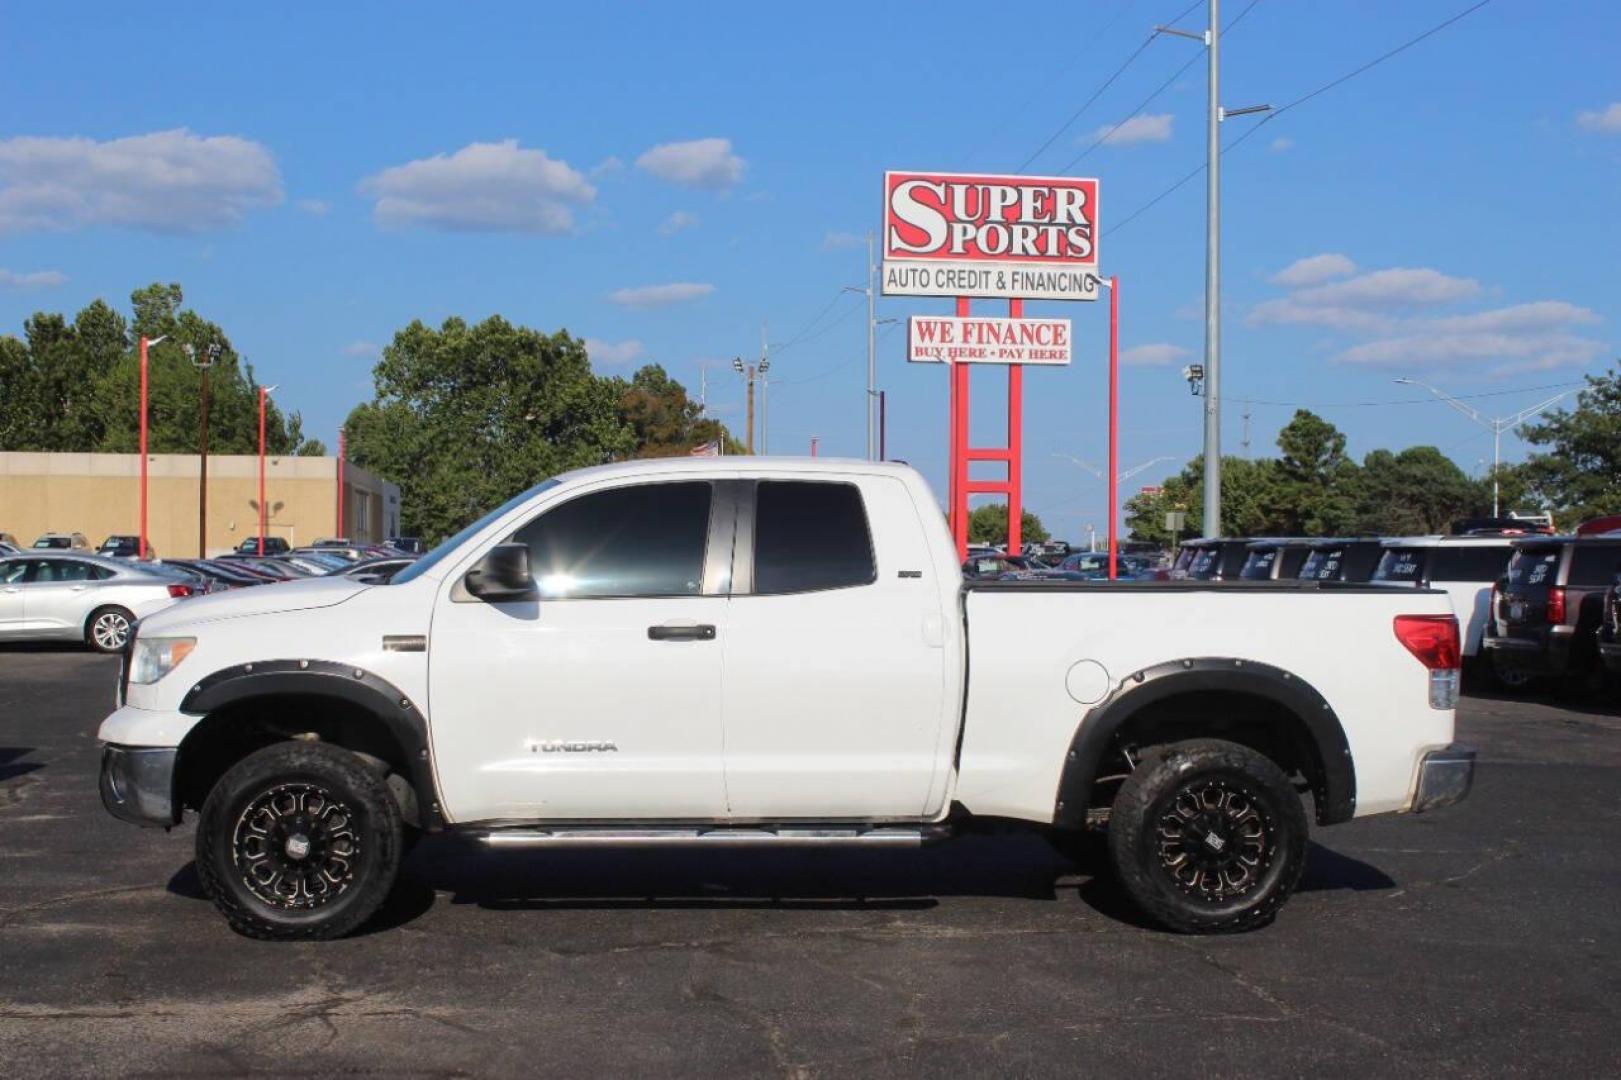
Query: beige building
x=99, y=495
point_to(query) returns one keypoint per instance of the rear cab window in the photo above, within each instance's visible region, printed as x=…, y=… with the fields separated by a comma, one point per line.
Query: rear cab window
x=1258, y=567
x=1402, y=564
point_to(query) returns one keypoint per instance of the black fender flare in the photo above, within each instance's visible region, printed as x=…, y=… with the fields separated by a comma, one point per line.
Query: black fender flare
x=325, y=678
x=1335, y=803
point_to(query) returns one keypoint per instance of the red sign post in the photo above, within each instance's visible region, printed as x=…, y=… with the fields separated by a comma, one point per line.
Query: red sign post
x=1006, y=237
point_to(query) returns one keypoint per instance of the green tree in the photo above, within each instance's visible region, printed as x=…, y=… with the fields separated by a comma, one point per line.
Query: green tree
x=1316, y=482
x=1580, y=476
x=466, y=416
x=75, y=386
x=666, y=422
x=988, y=525
x=1249, y=496
x=1419, y=490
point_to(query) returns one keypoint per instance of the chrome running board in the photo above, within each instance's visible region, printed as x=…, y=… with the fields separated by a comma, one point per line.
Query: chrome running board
x=786, y=835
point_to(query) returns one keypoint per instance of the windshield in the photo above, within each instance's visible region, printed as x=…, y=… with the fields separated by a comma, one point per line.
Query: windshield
x=1323, y=564
x=1401, y=564
x=445, y=547
x=1204, y=564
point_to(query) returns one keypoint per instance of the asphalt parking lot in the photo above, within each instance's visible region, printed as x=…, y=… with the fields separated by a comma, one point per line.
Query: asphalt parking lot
x=1483, y=939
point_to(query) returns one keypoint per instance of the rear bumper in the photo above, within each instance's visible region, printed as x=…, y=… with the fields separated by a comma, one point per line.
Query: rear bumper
x=137, y=784
x=1444, y=777
x=1548, y=654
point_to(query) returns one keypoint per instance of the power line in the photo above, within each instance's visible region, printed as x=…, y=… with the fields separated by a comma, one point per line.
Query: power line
x=1149, y=100
x=1274, y=114
x=806, y=329
x=1076, y=115
x=1399, y=401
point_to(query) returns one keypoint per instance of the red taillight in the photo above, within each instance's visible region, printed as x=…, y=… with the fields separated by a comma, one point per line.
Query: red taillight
x=1556, y=604
x=179, y=591
x=1431, y=638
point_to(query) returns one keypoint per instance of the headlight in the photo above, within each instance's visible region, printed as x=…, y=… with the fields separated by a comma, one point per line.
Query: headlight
x=155, y=657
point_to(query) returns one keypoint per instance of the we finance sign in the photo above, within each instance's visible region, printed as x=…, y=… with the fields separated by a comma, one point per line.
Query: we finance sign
x=1012, y=237
x=943, y=340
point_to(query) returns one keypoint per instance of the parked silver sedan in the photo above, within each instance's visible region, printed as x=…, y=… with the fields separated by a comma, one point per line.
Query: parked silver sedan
x=74, y=597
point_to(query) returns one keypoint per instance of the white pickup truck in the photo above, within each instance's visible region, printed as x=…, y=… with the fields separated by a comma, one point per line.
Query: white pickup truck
x=751, y=651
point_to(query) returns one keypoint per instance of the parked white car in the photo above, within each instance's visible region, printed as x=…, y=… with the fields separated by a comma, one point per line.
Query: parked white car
x=770, y=651
x=1463, y=567
x=73, y=597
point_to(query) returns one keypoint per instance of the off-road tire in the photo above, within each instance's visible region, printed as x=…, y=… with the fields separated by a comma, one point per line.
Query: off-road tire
x=1204, y=769
x=304, y=774
x=95, y=635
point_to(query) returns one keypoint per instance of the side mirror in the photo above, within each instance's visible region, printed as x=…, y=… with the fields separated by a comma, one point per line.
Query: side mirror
x=503, y=575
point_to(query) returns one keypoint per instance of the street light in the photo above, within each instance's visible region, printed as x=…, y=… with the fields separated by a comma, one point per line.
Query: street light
x=1125, y=475
x=264, y=394
x=146, y=343
x=1495, y=424
x=211, y=355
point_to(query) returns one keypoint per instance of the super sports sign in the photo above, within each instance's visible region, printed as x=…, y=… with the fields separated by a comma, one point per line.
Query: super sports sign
x=963, y=234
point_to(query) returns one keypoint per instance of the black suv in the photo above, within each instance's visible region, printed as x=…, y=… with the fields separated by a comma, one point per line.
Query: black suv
x=1547, y=612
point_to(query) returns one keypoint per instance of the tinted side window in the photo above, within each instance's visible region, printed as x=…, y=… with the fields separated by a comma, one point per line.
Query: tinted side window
x=810, y=535
x=11, y=572
x=1471, y=563
x=64, y=570
x=646, y=540
x=1595, y=564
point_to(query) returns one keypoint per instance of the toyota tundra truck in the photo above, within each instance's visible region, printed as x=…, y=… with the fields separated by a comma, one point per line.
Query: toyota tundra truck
x=754, y=652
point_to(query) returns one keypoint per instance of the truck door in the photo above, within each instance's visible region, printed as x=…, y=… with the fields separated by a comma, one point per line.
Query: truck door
x=601, y=699
x=836, y=679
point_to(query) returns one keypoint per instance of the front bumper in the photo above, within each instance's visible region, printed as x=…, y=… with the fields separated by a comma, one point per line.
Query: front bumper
x=137, y=784
x=1444, y=777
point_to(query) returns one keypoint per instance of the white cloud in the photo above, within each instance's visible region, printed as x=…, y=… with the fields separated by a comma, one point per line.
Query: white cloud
x=841, y=241
x=678, y=221
x=652, y=296
x=1156, y=355
x=607, y=167
x=314, y=207
x=33, y=279
x=1536, y=315
x=366, y=349
x=483, y=187
x=1313, y=270
x=1369, y=303
x=1281, y=144
x=166, y=181
x=1152, y=127
x=699, y=163
x=614, y=353
x=1429, y=349
x=1606, y=121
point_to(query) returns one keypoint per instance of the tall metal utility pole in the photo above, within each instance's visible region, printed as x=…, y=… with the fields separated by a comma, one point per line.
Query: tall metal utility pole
x=750, y=372
x=872, y=366
x=1212, y=283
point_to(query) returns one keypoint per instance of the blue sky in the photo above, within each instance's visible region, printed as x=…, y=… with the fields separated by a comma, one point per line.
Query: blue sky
x=661, y=179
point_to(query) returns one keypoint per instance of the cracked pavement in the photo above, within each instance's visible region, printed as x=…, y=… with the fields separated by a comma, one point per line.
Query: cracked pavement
x=1482, y=939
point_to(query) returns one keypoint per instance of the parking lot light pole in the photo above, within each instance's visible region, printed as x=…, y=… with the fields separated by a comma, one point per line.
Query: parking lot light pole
x=264, y=394
x=1495, y=424
x=146, y=343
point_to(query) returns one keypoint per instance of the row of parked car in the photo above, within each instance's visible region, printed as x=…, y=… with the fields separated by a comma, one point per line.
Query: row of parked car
x=68, y=592
x=1533, y=606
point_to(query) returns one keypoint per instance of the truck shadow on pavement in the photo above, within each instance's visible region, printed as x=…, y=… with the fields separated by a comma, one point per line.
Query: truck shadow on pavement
x=1012, y=867
x=11, y=767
